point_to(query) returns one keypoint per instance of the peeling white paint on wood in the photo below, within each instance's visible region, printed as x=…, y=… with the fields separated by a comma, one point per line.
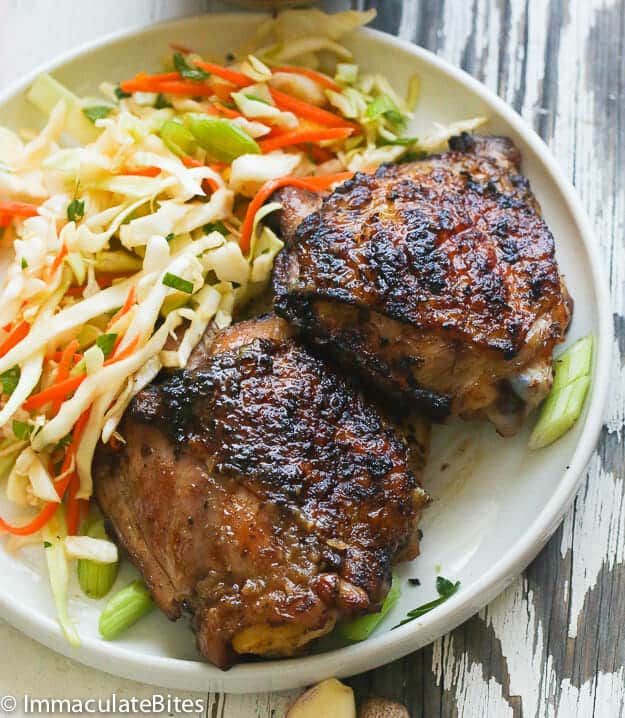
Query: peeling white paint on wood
x=474, y=695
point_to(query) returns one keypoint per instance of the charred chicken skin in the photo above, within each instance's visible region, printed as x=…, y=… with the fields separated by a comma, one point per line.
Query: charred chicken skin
x=262, y=494
x=436, y=280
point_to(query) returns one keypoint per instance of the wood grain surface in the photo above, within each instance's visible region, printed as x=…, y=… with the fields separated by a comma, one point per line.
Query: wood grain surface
x=552, y=646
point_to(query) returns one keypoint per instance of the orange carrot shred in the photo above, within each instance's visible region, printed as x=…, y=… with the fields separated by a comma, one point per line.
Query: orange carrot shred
x=310, y=112
x=295, y=138
x=18, y=209
x=225, y=73
x=62, y=372
x=16, y=336
x=130, y=300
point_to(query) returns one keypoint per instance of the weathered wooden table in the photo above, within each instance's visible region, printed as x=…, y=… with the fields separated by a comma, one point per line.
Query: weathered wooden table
x=553, y=645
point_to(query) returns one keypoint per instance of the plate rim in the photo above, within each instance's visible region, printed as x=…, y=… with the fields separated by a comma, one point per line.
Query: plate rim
x=184, y=674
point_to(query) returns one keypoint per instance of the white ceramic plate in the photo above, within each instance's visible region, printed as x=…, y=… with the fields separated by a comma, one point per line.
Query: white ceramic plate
x=497, y=502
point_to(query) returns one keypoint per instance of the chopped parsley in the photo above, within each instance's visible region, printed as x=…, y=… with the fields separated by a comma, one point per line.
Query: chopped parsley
x=120, y=94
x=169, y=237
x=97, y=112
x=22, y=429
x=189, y=73
x=106, y=342
x=176, y=282
x=47, y=544
x=445, y=589
x=24, y=263
x=10, y=379
x=75, y=210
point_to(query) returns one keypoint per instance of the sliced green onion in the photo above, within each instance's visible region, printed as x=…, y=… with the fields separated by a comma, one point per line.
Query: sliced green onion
x=97, y=112
x=189, y=73
x=215, y=227
x=560, y=411
x=96, y=579
x=176, y=282
x=346, y=73
x=177, y=138
x=573, y=363
x=222, y=139
x=384, y=106
x=75, y=210
x=10, y=379
x=361, y=628
x=565, y=402
x=124, y=609
x=22, y=429
x=106, y=342
x=117, y=262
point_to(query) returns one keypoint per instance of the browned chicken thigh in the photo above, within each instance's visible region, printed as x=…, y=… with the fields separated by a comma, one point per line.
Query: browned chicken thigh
x=262, y=494
x=436, y=280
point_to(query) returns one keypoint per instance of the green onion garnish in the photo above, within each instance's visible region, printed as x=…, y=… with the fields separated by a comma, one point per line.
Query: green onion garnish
x=176, y=282
x=565, y=401
x=361, y=628
x=10, y=379
x=22, y=429
x=189, y=73
x=123, y=609
x=75, y=210
x=106, y=342
x=97, y=112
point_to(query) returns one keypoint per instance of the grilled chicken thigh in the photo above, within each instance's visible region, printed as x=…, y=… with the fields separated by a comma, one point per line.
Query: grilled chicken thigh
x=262, y=494
x=436, y=280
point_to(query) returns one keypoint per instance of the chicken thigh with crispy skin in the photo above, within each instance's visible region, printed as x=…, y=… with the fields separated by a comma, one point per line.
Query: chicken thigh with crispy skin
x=436, y=280
x=262, y=494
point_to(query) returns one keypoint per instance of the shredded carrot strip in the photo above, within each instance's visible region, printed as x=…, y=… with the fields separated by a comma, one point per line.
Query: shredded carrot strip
x=311, y=74
x=142, y=172
x=321, y=182
x=225, y=73
x=58, y=259
x=296, y=138
x=130, y=300
x=61, y=390
x=124, y=353
x=5, y=220
x=212, y=184
x=222, y=89
x=62, y=372
x=167, y=83
x=261, y=196
x=313, y=184
x=16, y=336
x=227, y=111
x=190, y=162
x=18, y=209
x=310, y=112
x=49, y=509
x=72, y=510
x=321, y=154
